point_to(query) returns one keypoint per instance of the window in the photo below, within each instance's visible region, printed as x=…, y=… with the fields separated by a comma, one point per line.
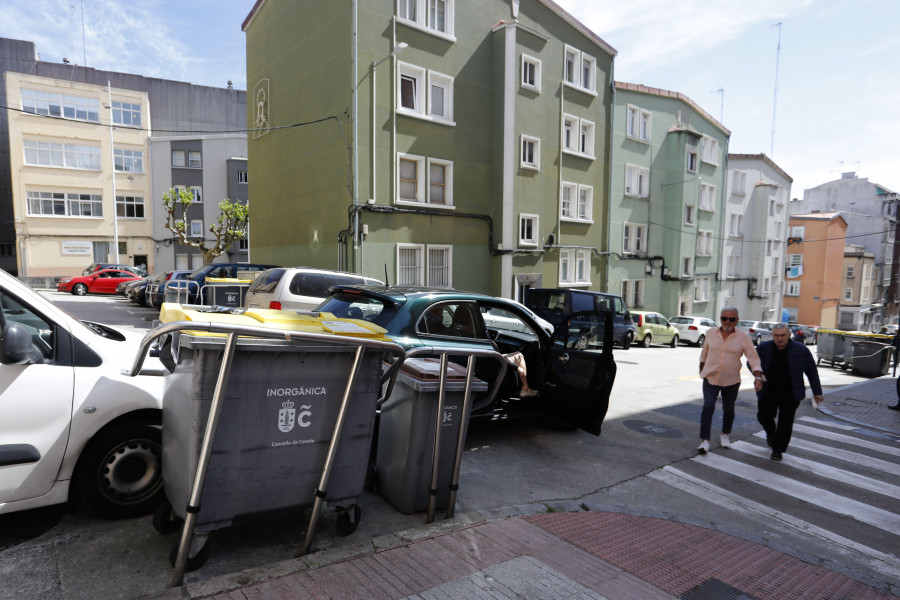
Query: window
x=411, y=172
x=411, y=95
x=637, y=181
x=531, y=73
x=528, y=230
x=578, y=136
x=848, y=294
x=580, y=70
x=242, y=176
x=433, y=16
x=574, y=267
x=634, y=239
x=586, y=140
x=766, y=286
x=709, y=150
x=196, y=192
x=798, y=232
x=637, y=123
x=531, y=153
x=571, y=66
x=576, y=202
x=633, y=292
x=850, y=271
x=124, y=113
x=194, y=159
x=771, y=207
x=739, y=183
x=243, y=245
x=707, y=197
x=128, y=161
x=440, y=182
x=736, y=225
x=68, y=156
x=129, y=207
x=775, y=271
x=412, y=268
x=701, y=289
x=78, y=108
x=570, y=127
x=688, y=214
x=588, y=69
x=704, y=243
x=734, y=265
x=687, y=266
x=196, y=229
x=692, y=161
x=793, y=288
x=178, y=158
x=795, y=260
x=62, y=204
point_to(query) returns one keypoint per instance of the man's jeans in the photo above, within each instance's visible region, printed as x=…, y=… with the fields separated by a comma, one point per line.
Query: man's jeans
x=710, y=393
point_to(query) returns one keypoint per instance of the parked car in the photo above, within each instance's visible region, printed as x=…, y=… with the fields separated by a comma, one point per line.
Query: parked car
x=692, y=330
x=101, y=266
x=653, y=328
x=71, y=424
x=298, y=288
x=553, y=304
x=573, y=368
x=137, y=290
x=98, y=282
x=191, y=287
x=759, y=331
x=154, y=293
x=804, y=333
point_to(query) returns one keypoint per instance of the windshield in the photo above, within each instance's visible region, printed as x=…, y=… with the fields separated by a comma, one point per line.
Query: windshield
x=356, y=306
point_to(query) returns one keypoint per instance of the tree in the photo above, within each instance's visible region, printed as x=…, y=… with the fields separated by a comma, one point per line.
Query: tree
x=228, y=228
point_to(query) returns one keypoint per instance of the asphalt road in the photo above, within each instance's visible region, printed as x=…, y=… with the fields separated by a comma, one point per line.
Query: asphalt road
x=652, y=424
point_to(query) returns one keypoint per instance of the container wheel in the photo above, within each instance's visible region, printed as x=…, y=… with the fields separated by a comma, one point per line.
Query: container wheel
x=347, y=522
x=193, y=562
x=165, y=520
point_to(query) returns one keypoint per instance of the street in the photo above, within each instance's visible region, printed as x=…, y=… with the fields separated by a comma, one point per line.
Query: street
x=832, y=502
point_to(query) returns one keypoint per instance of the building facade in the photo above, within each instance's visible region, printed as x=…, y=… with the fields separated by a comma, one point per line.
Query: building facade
x=754, y=236
x=815, y=254
x=858, y=285
x=472, y=153
x=666, y=211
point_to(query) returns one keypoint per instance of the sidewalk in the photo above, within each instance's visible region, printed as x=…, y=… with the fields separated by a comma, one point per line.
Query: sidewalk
x=572, y=553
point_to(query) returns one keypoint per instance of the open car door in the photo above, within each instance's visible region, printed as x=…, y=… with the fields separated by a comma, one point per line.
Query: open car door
x=578, y=370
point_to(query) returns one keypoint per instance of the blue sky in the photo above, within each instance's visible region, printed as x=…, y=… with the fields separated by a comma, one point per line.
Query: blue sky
x=838, y=80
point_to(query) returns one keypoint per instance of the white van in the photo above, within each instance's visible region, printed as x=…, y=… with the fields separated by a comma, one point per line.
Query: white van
x=298, y=288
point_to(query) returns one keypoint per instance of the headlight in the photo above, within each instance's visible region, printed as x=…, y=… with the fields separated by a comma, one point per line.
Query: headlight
x=65, y=280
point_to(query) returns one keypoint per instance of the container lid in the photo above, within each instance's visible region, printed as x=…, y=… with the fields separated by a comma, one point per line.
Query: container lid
x=228, y=280
x=429, y=369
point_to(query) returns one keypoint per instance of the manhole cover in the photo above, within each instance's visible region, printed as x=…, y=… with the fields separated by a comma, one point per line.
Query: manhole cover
x=654, y=429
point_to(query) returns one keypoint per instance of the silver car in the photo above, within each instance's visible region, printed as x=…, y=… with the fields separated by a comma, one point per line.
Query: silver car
x=298, y=288
x=759, y=331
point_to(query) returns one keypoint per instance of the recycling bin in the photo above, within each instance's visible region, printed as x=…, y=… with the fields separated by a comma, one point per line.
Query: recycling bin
x=870, y=358
x=832, y=346
x=405, y=433
x=224, y=291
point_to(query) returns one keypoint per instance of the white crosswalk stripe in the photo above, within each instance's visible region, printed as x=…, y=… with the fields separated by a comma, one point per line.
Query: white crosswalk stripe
x=838, y=437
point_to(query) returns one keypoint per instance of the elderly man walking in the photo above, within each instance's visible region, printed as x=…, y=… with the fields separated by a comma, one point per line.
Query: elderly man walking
x=720, y=368
x=784, y=362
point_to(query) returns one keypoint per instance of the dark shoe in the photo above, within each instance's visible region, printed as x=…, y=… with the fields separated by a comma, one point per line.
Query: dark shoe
x=895, y=406
x=769, y=440
x=776, y=455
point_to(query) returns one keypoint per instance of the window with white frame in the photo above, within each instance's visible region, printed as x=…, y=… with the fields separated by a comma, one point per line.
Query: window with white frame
x=242, y=176
x=531, y=152
x=586, y=139
x=411, y=88
x=775, y=265
x=637, y=181
x=67, y=156
x=585, y=205
x=734, y=265
x=412, y=185
x=798, y=231
x=128, y=161
x=768, y=247
x=701, y=289
x=588, y=72
x=194, y=161
x=196, y=228
x=795, y=260
x=243, y=245
x=688, y=214
x=736, y=225
x=709, y=150
x=196, y=192
x=766, y=285
x=778, y=225
x=421, y=264
x=570, y=134
x=66, y=106
x=129, y=207
x=411, y=93
x=410, y=172
x=440, y=96
x=574, y=266
x=739, y=182
x=410, y=264
x=64, y=204
x=531, y=73
x=848, y=294
x=126, y=113
x=692, y=161
x=850, y=271
x=528, y=230
x=633, y=292
x=440, y=265
x=580, y=70
x=178, y=158
x=704, y=243
x=440, y=182
x=707, y=197
x=771, y=207
x=637, y=123
x=572, y=74
x=433, y=16
x=793, y=288
x=687, y=266
x=576, y=202
x=578, y=136
x=634, y=240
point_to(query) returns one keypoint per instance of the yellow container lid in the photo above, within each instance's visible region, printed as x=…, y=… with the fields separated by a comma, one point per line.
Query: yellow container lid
x=232, y=280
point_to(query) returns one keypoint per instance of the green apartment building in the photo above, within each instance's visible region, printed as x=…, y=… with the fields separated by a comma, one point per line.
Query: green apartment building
x=666, y=215
x=452, y=143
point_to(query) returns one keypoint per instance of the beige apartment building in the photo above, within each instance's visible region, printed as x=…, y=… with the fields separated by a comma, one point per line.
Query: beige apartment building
x=74, y=147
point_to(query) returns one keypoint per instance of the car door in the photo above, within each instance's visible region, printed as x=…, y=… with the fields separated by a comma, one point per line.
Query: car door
x=104, y=282
x=35, y=408
x=578, y=370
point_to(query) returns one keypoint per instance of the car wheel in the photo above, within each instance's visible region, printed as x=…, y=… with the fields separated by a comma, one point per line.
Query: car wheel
x=120, y=472
x=701, y=340
x=646, y=341
x=756, y=341
x=79, y=289
x=626, y=342
x=674, y=342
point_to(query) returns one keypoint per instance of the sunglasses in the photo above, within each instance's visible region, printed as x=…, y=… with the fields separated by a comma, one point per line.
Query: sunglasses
x=728, y=318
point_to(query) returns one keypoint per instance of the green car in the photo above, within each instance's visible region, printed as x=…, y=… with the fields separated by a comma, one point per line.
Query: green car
x=571, y=367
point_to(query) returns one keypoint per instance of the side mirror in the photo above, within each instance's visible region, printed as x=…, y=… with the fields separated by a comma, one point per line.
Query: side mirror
x=16, y=347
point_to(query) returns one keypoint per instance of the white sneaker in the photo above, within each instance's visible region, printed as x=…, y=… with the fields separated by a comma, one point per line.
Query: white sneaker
x=724, y=441
x=703, y=447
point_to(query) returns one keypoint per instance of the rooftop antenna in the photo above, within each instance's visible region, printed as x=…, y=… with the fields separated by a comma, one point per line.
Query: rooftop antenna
x=775, y=100
x=387, y=284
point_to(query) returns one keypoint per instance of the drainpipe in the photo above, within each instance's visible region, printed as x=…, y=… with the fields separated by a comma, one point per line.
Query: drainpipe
x=355, y=134
x=509, y=154
x=610, y=123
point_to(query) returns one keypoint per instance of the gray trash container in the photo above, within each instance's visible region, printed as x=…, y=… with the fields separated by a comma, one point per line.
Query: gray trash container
x=870, y=358
x=833, y=347
x=224, y=291
x=406, y=433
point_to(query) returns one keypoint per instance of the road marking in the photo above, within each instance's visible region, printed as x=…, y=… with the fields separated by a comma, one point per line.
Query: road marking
x=853, y=457
x=860, y=511
x=877, y=561
x=854, y=479
x=847, y=439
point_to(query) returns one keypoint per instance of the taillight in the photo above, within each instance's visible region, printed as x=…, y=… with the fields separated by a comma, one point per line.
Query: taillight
x=640, y=320
x=275, y=305
x=692, y=328
x=752, y=330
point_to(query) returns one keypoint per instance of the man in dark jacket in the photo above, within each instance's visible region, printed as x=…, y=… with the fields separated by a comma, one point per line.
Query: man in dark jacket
x=783, y=363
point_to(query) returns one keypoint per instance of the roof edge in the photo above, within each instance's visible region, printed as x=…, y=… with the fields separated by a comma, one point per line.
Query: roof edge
x=645, y=89
x=762, y=156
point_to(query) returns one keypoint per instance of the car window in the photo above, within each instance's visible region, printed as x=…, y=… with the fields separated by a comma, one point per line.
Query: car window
x=451, y=319
x=709, y=323
x=356, y=306
x=581, y=332
x=680, y=320
x=508, y=323
x=266, y=282
x=40, y=329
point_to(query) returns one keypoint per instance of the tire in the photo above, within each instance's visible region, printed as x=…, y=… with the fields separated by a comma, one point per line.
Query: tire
x=627, y=340
x=79, y=289
x=674, y=342
x=165, y=520
x=348, y=520
x=646, y=341
x=756, y=341
x=701, y=340
x=120, y=472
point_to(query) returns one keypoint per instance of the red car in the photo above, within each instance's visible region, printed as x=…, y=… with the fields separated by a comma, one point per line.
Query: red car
x=99, y=282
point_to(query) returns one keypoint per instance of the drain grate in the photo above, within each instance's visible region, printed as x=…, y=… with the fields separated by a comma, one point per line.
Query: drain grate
x=713, y=589
x=654, y=429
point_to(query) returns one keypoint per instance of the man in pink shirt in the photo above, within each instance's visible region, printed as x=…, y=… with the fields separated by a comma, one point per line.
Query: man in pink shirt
x=720, y=368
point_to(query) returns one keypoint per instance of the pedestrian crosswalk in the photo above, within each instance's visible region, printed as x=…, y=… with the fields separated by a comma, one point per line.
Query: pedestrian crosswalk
x=837, y=483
